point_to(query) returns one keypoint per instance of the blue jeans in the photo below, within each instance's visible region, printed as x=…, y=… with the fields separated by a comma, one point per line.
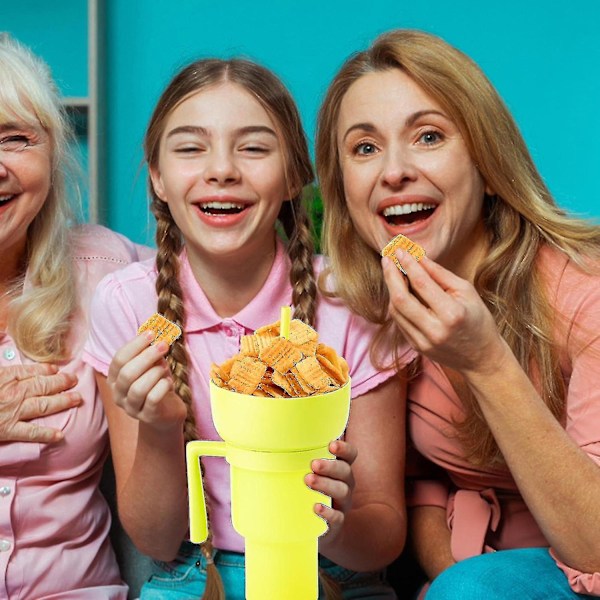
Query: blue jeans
x=524, y=573
x=185, y=578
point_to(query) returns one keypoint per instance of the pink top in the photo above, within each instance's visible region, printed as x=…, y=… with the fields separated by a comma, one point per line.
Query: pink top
x=54, y=522
x=126, y=299
x=484, y=507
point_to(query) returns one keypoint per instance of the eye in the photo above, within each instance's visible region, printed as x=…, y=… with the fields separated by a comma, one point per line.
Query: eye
x=255, y=149
x=429, y=138
x=188, y=149
x=364, y=149
x=14, y=143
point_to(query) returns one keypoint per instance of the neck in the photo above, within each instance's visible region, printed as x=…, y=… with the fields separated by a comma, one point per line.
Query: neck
x=230, y=283
x=469, y=255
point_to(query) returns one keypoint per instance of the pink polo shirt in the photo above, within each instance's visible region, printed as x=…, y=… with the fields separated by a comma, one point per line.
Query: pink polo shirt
x=54, y=522
x=484, y=506
x=125, y=299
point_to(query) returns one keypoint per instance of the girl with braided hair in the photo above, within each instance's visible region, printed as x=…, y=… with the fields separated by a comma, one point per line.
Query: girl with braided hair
x=228, y=160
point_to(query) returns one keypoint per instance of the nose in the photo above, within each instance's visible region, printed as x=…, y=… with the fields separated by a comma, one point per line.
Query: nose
x=3, y=169
x=398, y=167
x=221, y=167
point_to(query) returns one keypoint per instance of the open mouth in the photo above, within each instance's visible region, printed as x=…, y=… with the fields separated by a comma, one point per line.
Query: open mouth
x=405, y=214
x=221, y=208
x=6, y=199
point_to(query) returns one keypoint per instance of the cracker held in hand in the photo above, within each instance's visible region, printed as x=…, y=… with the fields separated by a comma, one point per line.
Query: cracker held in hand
x=271, y=365
x=403, y=243
x=163, y=329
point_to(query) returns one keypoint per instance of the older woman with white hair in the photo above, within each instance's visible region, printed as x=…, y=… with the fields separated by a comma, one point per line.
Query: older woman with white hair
x=54, y=523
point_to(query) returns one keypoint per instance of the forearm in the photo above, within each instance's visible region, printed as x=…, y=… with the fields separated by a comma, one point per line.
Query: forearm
x=429, y=539
x=153, y=500
x=559, y=482
x=371, y=538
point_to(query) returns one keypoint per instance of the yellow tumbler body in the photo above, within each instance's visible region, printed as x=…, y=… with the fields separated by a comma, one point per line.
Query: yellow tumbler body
x=270, y=443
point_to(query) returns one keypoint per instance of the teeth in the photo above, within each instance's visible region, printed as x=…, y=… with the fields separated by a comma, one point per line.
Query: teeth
x=406, y=209
x=222, y=205
x=6, y=198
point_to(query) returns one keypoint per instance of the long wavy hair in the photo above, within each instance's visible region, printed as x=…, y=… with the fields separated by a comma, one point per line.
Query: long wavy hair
x=39, y=315
x=521, y=216
x=269, y=91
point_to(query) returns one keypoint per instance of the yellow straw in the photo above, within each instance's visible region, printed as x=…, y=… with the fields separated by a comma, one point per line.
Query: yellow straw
x=284, y=326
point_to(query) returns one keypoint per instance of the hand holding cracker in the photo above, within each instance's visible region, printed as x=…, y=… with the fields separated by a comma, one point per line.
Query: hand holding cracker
x=401, y=241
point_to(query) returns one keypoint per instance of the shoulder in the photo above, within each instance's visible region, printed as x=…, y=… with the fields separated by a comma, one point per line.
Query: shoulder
x=98, y=252
x=95, y=243
x=574, y=295
x=566, y=280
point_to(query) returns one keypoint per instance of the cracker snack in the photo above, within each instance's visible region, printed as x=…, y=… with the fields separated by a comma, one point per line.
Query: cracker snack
x=271, y=365
x=402, y=242
x=163, y=329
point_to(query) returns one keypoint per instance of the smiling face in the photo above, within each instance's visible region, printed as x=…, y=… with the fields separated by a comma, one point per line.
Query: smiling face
x=25, y=176
x=406, y=169
x=221, y=169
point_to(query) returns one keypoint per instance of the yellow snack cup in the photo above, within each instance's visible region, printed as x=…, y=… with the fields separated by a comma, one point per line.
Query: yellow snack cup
x=269, y=444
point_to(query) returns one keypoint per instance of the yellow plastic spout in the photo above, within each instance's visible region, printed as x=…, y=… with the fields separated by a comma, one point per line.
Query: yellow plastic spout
x=197, y=503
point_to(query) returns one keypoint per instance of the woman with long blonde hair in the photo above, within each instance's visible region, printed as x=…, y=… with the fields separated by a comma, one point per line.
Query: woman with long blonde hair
x=54, y=521
x=504, y=312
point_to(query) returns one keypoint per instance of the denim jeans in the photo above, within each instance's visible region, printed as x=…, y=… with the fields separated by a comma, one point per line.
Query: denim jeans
x=185, y=578
x=524, y=573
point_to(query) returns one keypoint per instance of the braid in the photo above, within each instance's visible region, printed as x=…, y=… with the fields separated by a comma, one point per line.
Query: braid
x=170, y=305
x=296, y=223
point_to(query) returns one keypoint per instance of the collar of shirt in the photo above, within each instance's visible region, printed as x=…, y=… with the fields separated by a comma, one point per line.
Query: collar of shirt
x=263, y=309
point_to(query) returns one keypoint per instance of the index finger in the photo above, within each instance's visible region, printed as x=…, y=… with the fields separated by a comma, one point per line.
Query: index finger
x=344, y=450
x=22, y=372
x=129, y=351
x=47, y=385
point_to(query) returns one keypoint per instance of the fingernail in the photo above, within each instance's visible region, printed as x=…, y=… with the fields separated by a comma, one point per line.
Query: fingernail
x=162, y=346
x=149, y=334
x=75, y=398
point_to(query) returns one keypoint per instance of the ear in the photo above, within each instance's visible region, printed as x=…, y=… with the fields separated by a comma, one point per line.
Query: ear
x=489, y=191
x=157, y=183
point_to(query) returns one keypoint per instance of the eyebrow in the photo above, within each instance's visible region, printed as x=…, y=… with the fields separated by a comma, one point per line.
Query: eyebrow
x=14, y=125
x=199, y=130
x=411, y=120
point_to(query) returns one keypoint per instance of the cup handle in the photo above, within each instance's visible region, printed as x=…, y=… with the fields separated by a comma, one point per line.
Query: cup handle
x=197, y=503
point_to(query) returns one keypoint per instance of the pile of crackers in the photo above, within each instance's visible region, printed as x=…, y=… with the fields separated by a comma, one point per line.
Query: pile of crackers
x=271, y=365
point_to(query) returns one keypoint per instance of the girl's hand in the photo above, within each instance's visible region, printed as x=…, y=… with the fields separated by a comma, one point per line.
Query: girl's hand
x=141, y=383
x=334, y=478
x=442, y=316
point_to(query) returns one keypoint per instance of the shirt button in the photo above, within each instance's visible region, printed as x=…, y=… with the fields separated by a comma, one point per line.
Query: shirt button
x=5, y=545
x=9, y=353
x=4, y=490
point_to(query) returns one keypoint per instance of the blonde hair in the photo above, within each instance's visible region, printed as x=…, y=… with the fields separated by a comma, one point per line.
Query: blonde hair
x=521, y=216
x=276, y=100
x=39, y=315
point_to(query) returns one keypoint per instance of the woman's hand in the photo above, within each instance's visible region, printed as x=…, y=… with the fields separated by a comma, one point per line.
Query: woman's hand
x=441, y=315
x=141, y=383
x=31, y=391
x=334, y=478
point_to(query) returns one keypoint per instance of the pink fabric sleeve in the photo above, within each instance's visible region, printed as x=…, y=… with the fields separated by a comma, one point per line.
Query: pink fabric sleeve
x=113, y=323
x=365, y=376
x=579, y=301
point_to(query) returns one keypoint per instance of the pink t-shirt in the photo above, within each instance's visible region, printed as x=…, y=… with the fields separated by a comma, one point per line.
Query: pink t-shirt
x=54, y=522
x=484, y=507
x=124, y=300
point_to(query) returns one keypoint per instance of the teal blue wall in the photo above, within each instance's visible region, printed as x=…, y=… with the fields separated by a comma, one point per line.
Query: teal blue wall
x=543, y=57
